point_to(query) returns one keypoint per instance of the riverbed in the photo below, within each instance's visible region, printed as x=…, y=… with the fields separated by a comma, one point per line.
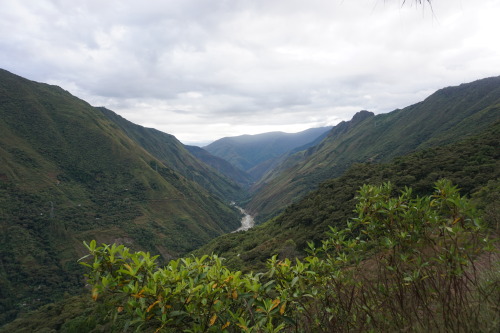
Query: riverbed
x=247, y=221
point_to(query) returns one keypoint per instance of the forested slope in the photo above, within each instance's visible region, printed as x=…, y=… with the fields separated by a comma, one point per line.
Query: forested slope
x=446, y=116
x=173, y=154
x=69, y=174
x=224, y=167
x=247, y=151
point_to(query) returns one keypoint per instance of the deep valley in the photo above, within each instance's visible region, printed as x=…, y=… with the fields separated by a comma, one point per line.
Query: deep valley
x=72, y=173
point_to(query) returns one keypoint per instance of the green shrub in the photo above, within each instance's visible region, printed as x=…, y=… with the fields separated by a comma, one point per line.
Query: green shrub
x=405, y=263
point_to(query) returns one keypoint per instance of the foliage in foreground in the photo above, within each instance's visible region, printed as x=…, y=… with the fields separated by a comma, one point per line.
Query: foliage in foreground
x=404, y=263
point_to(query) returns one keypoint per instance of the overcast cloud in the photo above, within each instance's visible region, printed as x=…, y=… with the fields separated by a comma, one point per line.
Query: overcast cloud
x=204, y=69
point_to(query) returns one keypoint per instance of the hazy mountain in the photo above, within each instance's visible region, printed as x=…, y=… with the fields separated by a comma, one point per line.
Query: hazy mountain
x=446, y=116
x=221, y=165
x=68, y=173
x=247, y=151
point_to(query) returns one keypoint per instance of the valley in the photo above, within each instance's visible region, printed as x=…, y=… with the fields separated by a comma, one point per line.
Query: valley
x=73, y=173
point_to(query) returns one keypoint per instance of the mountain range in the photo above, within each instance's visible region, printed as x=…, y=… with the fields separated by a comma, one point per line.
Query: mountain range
x=446, y=116
x=71, y=172
x=257, y=154
x=172, y=153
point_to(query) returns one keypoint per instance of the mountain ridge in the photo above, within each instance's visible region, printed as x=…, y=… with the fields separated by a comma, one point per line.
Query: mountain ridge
x=69, y=174
x=443, y=117
x=239, y=176
x=171, y=152
x=248, y=151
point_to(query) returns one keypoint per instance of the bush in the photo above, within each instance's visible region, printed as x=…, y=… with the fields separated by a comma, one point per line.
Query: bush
x=404, y=263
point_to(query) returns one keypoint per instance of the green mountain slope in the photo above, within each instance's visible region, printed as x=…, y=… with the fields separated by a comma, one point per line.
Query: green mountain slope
x=69, y=174
x=247, y=151
x=473, y=164
x=221, y=165
x=446, y=116
x=172, y=153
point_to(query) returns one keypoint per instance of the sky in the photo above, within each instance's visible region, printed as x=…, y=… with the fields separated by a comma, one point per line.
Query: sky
x=206, y=69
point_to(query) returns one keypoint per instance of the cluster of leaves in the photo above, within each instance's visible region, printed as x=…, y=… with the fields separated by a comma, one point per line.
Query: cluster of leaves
x=420, y=273
x=404, y=263
x=198, y=294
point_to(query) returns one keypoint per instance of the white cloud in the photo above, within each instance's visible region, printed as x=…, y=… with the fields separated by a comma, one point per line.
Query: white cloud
x=203, y=69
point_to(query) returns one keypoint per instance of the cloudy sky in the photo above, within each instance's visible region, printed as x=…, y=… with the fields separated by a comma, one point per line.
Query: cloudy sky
x=205, y=69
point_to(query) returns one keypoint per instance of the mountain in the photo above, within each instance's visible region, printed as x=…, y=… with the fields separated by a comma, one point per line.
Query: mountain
x=221, y=165
x=71, y=172
x=172, y=153
x=473, y=164
x=68, y=174
x=263, y=169
x=247, y=151
x=446, y=116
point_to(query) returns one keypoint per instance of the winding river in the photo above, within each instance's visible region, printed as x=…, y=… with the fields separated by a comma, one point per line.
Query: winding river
x=247, y=221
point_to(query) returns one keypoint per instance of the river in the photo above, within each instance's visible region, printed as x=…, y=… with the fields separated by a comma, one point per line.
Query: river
x=247, y=221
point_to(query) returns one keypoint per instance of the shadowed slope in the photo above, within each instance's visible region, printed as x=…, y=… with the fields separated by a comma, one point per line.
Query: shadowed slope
x=69, y=174
x=172, y=153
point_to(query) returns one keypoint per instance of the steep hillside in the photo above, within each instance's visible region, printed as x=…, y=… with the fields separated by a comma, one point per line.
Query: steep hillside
x=473, y=165
x=247, y=151
x=444, y=117
x=173, y=154
x=221, y=165
x=69, y=174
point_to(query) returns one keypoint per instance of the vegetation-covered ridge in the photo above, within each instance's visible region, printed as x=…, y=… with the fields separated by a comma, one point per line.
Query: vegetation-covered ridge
x=256, y=153
x=239, y=176
x=404, y=263
x=447, y=116
x=173, y=154
x=69, y=174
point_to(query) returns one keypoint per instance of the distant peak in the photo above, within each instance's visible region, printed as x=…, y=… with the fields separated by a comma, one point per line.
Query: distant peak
x=344, y=126
x=362, y=115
